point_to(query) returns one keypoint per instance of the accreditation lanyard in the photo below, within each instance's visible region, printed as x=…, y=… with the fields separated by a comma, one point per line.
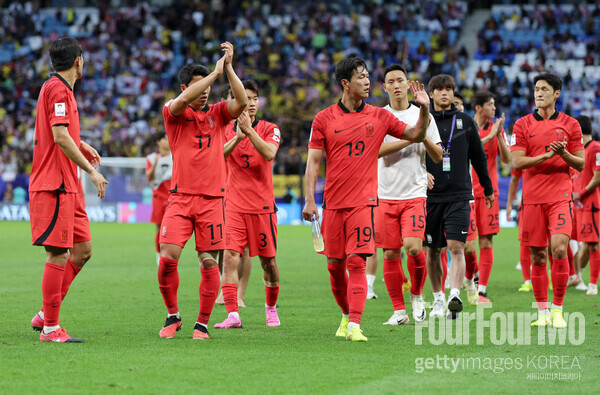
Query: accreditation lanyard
x=446, y=150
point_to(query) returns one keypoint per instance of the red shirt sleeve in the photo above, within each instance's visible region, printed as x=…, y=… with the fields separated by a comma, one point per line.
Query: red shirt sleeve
x=596, y=162
x=517, y=141
x=167, y=113
x=575, y=138
x=317, y=135
x=395, y=127
x=59, y=106
x=273, y=135
x=221, y=109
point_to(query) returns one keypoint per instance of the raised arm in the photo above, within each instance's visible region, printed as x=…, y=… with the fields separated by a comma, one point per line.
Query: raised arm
x=240, y=100
x=194, y=91
x=231, y=144
x=504, y=150
x=418, y=132
x=313, y=163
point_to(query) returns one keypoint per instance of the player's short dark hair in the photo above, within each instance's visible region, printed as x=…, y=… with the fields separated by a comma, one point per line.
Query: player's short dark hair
x=159, y=136
x=585, y=123
x=251, y=86
x=226, y=92
x=481, y=97
x=459, y=95
x=63, y=53
x=552, y=79
x=191, y=70
x=441, y=81
x=394, y=67
x=345, y=68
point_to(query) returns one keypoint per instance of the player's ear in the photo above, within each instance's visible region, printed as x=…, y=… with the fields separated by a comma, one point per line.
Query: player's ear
x=182, y=86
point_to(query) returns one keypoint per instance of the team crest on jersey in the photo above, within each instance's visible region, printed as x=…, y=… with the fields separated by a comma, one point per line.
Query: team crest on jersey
x=560, y=134
x=370, y=129
x=459, y=123
x=60, y=110
x=276, y=135
x=211, y=122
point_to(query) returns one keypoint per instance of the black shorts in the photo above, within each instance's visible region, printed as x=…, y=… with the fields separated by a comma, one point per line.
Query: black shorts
x=446, y=221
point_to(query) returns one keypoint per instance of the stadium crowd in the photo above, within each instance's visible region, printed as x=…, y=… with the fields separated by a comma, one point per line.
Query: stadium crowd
x=132, y=56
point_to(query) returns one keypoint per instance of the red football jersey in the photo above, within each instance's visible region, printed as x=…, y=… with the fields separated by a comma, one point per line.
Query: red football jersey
x=592, y=164
x=492, y=150
x=550, y=180
x=196, y=139
x=351, y=141
x=51, y=168
x=250, y=178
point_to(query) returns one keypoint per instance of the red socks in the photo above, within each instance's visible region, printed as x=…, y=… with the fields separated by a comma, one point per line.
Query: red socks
x=444, y=258
x=209, y=288
x=486, y=261
x=539, y=280
x=271, y=295
x=168, y=282
x=571, y=261
x=416, y=268
x=230, y=297
x=470, y=265
x=560, y=277
x=525, y=258
x=392, y=275
x=51, y=292
x=339, y=284
x=594, y=266
x=71, y=271
x=357, y=287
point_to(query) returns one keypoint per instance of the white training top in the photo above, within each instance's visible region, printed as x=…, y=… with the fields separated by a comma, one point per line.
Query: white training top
x=164, y=168
x=403, y=175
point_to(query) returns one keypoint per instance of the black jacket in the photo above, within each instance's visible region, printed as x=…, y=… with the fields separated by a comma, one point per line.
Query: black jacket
x=466, y=145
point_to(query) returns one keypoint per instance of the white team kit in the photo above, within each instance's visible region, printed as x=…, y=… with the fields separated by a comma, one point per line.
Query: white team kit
x=164, y=168
x=408, y=162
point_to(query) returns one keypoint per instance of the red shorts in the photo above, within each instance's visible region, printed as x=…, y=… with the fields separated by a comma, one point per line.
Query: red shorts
x=348, y=231
x=202, y=215
x=472, y=235
x=585, y=225
x=575, y=227
x=58, y=219
x=488, y=219
x=159, y=205
x=397, y=219
x=257, y=231
x=541, y=221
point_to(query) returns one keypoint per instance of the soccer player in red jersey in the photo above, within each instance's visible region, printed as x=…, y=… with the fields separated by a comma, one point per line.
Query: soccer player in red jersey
x=587, y=198
x=351, y=133
x=58, y=218
x=159, y=169
x=245, y=266
x=250, y=210
x=488, y=220
x=546, y=143
x=196, y=137
x=524, y=255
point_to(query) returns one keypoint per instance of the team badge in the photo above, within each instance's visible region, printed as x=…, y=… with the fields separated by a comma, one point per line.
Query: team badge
x=560, y=134
x=598, y=159
x=513, y=139
x=211, y=122
x=276, y=135
x=370, y=129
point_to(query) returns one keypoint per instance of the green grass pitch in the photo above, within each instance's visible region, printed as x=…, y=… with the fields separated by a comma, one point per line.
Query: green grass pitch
x=115, y=305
